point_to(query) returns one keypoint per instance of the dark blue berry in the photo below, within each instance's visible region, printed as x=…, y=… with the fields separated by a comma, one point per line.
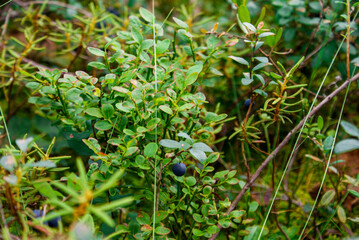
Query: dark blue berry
x=37, y=213
x=247, y=103
x=54, y=222
x=179, y=169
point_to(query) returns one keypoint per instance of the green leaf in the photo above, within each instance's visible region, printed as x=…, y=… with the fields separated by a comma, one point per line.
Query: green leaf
x=45, y=190
x=162, y=230
x=153, y=122
x=111, y=206
x=107, y=111
x=184, y=135
x=354, y=193
x=225, y=222
x=350, y=128
x=143, y=218
x=180, y=81
x=162, y=46
x=66, y=189
x=278, y=35
x=111, y=182
x=103, y=125
x=346, y=145
x=146, y=15
x=168, y=143
x=160, y=216
x=190, y=181
x=129, y=132
x=102, y=215
x=197, y=217
x=220, y=174
x=141, y=129
x=341, y=214
x=186, y=106
x=97, y=65
x=259, y=66
x=212, y=229
x=261, y=92
x=237, y=213
x=180, y=23
x=212, y=157
x=246, y=81
x=198, y=154
x=327, y=198
x=151, y=150
x=136, y=34
x=95, y=112
x=202, y=146
x=195, y=69
x=166, y=109
x=265, y=34
x=96, y=51
x=207, y=190
x=130, y=151
x=232, y=181
x=253, y=206
x=261, y=16
x=240, y=60
x=120, y=89
x=292, y=70
x=320, y=122
x=328, y=143
x=243, y=14
x=93, y=144
x=190, y=79
x=197, y=232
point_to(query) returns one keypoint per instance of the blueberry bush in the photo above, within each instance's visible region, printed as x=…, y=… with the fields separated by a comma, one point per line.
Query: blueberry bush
x=183, y=120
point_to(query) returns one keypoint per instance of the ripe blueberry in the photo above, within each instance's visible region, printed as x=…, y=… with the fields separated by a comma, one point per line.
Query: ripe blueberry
x=179, y=169
x=37, y=213
x=247, y=103
x=54, y=222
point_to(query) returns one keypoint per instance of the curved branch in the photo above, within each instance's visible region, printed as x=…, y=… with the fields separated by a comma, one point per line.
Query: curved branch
x=280, y=146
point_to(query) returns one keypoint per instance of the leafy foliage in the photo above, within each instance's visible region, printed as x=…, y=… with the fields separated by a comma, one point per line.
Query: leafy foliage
x=139, y=92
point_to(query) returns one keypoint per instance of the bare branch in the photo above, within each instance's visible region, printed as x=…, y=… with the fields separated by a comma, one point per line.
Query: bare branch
x=281, y=145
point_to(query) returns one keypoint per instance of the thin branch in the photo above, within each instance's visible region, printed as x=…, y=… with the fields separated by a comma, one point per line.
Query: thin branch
x=281, y=145
x=4, y=27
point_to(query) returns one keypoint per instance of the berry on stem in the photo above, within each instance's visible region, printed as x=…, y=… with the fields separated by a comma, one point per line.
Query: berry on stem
x=179, y=169
x=37, y=213
x=247, y=103
x=54, y=222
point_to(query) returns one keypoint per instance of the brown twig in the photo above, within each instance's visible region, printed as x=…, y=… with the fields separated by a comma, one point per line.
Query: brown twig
x=39, y=228
x=281, y=145
x=245, y=161
x=4, y=26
